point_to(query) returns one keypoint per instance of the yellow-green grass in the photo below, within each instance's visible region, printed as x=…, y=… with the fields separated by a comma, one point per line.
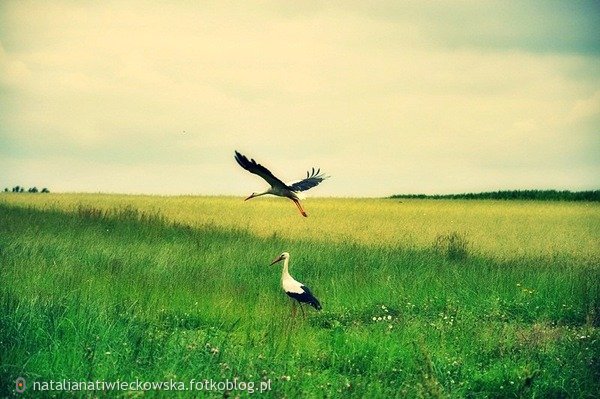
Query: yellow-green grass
x=498, y=229
x=92, y=288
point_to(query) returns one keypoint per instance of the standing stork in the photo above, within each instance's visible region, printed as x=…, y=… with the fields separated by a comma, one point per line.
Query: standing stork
x=278, y=187
x=295, y=289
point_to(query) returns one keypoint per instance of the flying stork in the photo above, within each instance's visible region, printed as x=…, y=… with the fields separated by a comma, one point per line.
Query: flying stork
x=279, y=188
x=295, y=289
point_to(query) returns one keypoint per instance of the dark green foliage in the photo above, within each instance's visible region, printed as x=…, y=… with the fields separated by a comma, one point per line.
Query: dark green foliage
x=538, y=195
x=454, y=246
x=20, y=189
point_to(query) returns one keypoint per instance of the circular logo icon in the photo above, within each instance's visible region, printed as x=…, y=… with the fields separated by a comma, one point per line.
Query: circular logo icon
x=20, y=385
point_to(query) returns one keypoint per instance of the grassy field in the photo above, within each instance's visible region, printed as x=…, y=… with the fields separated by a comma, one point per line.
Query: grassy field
x=421, y=298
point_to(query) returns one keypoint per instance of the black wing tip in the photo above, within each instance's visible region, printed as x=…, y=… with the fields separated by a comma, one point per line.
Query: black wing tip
x=243, y=161
x=316, y=174
x=311, y=299
x=241, y=157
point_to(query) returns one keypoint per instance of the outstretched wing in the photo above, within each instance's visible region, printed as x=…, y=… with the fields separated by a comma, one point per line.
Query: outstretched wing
x=253, y=167
x=312, y=179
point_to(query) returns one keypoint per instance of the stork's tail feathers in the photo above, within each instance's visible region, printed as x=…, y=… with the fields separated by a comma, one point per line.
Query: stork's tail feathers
x=309, y=298
x=315, y=304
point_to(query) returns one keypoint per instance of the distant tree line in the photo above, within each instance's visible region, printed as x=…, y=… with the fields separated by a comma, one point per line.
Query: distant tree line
x=538, y=195
x=21, y=189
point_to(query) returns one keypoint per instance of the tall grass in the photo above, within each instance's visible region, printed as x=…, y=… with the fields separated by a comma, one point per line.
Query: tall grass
x=495, y=229
x=107, y=293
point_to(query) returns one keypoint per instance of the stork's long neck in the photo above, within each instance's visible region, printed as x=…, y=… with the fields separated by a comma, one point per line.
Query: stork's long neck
x=263, y=193
x=284, y=272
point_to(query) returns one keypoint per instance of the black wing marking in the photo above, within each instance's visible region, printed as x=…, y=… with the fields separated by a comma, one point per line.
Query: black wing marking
x=306, y=297
x=253, y=167
x=312, y=179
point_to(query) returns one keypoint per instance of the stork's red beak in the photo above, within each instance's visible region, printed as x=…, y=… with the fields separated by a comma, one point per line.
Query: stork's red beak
x=277, y=259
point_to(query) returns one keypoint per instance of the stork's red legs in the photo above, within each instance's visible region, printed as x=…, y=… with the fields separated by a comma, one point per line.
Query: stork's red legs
x=300, y=207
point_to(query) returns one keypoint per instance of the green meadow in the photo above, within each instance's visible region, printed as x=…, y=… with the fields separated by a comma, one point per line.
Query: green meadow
x=421, y=298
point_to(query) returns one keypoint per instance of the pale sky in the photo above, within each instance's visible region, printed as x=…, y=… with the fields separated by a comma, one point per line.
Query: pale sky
x=385, y=96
